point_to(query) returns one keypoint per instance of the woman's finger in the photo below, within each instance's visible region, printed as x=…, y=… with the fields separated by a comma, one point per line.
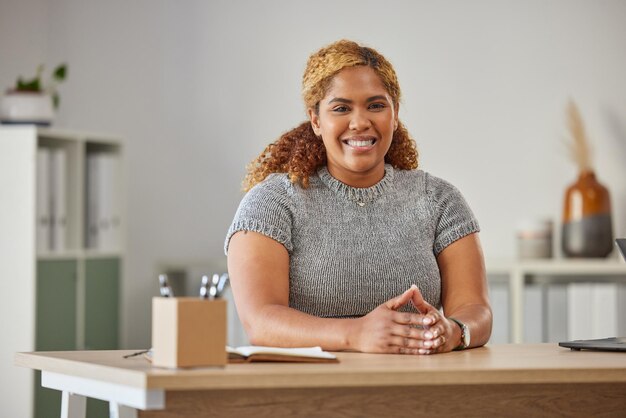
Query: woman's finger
x=431, y=314
x=408, y=331
x=403, y=299
x=432, y=317
x=420, y=303
x=407, y=318
x=435, y=343
x=407, y=343
x=433, y=332
x=403, y=350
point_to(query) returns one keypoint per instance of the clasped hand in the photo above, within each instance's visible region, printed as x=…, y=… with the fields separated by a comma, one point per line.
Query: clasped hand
x=385, y=330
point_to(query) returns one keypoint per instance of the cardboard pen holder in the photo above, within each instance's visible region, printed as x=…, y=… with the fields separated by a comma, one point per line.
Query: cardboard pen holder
x=188, y=332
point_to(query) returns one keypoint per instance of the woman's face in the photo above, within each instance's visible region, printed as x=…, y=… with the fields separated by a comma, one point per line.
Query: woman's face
x=356, y=120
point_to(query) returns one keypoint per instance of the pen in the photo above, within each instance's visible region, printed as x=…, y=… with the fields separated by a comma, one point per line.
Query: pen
x=223, y=282
x=137, y=353
x=164, y=287
x=204, y=287
x=213, y=289
x=208, y=289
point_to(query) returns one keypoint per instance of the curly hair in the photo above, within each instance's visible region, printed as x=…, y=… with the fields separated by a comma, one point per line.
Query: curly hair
x=299, y=152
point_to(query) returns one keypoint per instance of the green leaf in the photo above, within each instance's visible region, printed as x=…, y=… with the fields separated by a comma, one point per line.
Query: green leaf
x=56, y=100
x=60, y=72
x=28, y=85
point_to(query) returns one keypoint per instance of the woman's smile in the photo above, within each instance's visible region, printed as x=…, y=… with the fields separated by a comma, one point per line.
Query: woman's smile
x=356, y=120
x=360, y=143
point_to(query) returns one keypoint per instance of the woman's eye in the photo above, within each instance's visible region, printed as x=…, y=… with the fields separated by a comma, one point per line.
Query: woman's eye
x=377, y=106
x=340, y=109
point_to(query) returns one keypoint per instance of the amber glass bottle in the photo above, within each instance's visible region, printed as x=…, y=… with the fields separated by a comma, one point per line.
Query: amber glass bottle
x=587, y=227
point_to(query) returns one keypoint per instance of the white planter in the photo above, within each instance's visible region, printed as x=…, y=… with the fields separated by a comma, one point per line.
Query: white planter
x=26, y=107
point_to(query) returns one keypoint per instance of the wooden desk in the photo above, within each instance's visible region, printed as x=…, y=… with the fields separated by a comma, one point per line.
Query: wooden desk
x=500, y=380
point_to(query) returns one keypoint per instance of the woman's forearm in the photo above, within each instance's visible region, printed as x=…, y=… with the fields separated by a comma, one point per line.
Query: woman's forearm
x=277, y=325
x=478, y=318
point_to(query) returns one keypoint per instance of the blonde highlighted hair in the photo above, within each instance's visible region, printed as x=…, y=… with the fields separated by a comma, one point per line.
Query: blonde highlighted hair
x=299, y=152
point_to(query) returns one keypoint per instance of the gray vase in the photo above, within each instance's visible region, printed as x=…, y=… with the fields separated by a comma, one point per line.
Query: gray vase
x=587, y=227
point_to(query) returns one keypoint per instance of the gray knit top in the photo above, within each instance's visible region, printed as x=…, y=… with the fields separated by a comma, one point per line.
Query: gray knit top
x=351, y=249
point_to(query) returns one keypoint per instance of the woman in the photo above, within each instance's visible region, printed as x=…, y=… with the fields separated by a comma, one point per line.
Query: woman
x=341, y=241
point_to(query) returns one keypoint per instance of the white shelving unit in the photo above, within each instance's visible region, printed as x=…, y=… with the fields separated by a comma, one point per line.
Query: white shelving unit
x=519, y=273
x=26, y=274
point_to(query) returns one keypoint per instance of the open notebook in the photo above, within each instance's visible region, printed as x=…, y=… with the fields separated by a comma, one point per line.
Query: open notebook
x=258, y=353
x=253, y=353
x=603, y=344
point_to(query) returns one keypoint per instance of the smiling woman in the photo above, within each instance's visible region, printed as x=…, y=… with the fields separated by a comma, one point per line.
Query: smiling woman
x=301, y=151
x=341, y=241
x=356, y=120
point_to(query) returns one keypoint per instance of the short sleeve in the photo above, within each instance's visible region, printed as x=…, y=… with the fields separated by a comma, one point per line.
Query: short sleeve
x=453, y=217
x=265, y=209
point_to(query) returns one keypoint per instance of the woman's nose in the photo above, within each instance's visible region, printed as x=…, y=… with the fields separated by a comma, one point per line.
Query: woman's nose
x=360, y=121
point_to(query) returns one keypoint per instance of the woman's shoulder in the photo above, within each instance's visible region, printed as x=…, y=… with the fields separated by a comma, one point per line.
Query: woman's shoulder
x=415, y=175
x=436, y=184
x=273, y=183
x=425, y=182
x=276, y=188
x=419, y=178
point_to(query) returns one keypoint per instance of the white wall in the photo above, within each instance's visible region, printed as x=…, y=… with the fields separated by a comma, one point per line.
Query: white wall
x=23, y=33
x=198, y=88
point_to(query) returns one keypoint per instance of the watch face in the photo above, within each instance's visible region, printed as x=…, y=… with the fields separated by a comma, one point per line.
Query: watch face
x=466, y=335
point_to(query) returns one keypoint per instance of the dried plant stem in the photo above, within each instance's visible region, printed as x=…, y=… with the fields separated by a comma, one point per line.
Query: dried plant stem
x=578, y=145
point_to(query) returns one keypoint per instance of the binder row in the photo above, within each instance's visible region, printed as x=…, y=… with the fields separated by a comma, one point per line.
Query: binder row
x=563, y=311
x=51, y=199
x=103, y=220
x=102, y=228
x=596, y=310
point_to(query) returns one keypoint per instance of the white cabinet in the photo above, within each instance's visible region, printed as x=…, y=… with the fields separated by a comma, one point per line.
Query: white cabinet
x=524, y=277
x=57, y=292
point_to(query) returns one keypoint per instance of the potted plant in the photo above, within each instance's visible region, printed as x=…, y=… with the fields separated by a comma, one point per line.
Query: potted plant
x=33, y=101
x=587, y=229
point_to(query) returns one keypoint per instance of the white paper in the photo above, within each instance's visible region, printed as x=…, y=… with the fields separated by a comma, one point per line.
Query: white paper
x=247, y=351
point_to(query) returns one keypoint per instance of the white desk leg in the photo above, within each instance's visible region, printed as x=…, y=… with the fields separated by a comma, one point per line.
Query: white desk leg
x=73, y=406
x=516, y=297
x=121, y=411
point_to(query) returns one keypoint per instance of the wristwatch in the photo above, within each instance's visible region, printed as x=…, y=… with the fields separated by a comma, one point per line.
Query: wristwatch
x=465, y=335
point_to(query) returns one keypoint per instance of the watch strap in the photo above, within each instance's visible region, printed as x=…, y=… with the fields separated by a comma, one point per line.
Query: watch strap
x=463, y=327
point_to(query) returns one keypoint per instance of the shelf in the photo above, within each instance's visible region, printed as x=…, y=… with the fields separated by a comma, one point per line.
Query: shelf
x=60, y=255
x=67, y=135
x=518, y=273
x=63, y=294
x=557, y=267
x=79, y=254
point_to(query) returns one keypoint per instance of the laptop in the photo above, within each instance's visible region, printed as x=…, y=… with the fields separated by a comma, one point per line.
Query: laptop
x=602, y=344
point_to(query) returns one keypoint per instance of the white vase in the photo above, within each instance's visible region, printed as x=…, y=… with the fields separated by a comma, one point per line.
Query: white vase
x=26, y=107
